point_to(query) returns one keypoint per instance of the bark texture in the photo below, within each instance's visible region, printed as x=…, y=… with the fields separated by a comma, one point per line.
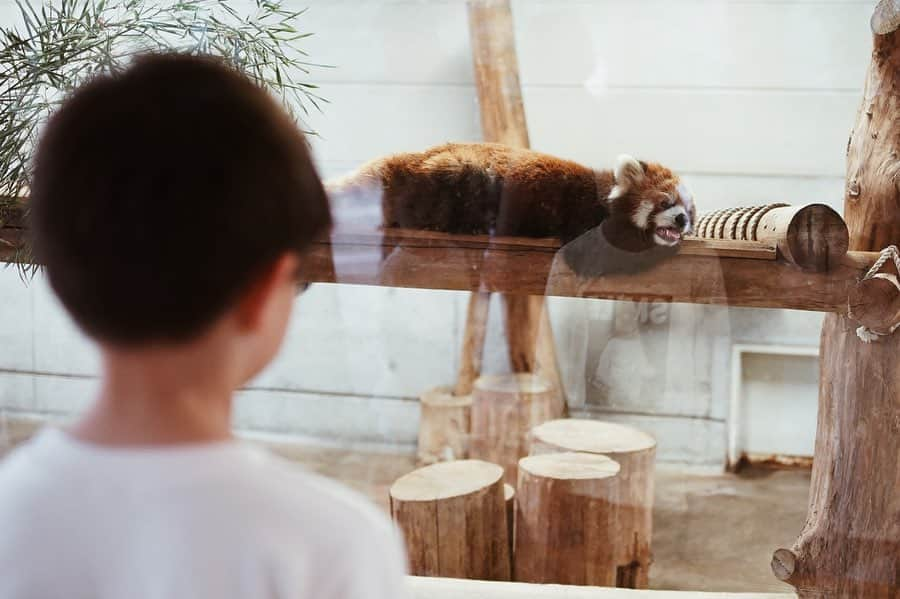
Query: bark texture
x=850, y=545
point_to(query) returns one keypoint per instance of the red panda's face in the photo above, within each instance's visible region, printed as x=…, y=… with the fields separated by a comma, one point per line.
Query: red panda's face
x=655, y=200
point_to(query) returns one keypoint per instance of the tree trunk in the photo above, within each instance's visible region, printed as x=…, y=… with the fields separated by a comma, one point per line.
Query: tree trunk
x=850, y=546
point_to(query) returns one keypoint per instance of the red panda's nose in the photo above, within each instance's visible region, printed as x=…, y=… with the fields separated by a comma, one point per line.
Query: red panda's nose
x=680, y=220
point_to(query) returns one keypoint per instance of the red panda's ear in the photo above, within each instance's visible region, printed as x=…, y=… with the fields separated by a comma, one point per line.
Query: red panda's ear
x=629, y=172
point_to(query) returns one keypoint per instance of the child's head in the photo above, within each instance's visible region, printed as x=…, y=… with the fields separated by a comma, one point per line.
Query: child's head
x=171, y=196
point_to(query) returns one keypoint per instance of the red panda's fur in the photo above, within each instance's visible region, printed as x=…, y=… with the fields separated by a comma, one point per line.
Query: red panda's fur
x=482, y=188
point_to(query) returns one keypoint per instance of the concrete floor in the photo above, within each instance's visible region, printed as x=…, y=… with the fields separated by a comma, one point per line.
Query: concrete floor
x=711, y=532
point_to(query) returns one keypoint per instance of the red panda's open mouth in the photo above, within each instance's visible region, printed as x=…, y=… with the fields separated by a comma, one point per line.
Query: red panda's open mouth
x=669, y=233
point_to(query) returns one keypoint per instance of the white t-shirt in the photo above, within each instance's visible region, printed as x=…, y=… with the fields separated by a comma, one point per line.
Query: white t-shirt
x=211, y=521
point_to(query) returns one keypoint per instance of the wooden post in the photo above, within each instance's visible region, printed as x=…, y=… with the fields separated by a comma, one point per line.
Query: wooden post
x=565, y=519
x=504, y=408
x=635, y=452
x=850, y=545
x=473, y=341
x=529, y=336
x=453, y=517
x=444, y=426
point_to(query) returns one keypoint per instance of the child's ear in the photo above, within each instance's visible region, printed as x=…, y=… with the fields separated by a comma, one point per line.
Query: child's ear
x=629, y=173
x=277, y=277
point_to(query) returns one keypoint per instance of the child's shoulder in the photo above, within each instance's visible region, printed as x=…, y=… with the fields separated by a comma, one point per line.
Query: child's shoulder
x=329, y=516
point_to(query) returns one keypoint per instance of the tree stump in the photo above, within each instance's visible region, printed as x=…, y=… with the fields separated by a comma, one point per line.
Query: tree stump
x=566, y=519
x=504, y=409
x=453, y=517
x=635, y=452
x=444, y=426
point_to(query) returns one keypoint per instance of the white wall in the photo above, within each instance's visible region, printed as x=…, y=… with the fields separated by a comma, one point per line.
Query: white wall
x=751, y=100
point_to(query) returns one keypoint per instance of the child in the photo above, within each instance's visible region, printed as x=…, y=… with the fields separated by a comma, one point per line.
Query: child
x=171, y=206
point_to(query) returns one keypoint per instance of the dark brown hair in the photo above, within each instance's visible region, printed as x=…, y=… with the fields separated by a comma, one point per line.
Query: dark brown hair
x=161, y=192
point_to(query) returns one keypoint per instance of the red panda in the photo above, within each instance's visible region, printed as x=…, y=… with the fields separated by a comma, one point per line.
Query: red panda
x=484, y=188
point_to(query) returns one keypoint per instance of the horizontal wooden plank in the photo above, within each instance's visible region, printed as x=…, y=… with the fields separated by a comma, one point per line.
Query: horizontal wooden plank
x=504, y=265
x=732, y=273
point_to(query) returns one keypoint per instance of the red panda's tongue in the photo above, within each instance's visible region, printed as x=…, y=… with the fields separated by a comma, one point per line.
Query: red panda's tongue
x=669, y=233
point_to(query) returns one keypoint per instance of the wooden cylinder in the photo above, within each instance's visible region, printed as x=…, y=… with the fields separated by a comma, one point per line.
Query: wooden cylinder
x=566, y=513
x=504, y=408
x=813, y=237
x=453, y=517
x=444, y=426
x=875, y=303
x=635, y=452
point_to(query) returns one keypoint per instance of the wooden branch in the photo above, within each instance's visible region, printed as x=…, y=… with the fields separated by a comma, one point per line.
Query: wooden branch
x=530, y=266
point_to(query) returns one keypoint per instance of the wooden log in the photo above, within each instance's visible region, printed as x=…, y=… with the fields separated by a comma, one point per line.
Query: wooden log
x=518, y=265
x=566, y=519
x=850, y=544
x=875, y=303
x=453, y=517
x=813, y=237
x=734, y=273
x=444, y=426
x=504, y=408
x=635, y=452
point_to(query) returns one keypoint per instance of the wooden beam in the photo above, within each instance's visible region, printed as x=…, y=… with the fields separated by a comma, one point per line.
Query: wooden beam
x=705, y=272
x=446, y=588
x=529, y=335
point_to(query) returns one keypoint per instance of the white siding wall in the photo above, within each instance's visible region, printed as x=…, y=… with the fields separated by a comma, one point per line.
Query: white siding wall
x=752, y=100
